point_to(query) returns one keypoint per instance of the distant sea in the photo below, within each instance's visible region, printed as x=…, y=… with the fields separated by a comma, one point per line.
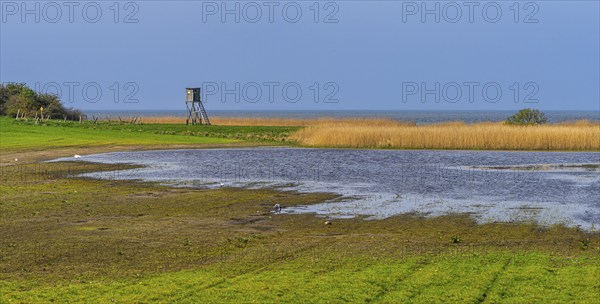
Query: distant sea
x=420, y=117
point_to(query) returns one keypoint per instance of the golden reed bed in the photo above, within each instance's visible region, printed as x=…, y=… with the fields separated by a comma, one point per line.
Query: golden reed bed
x=389, y=133
x=579, y=135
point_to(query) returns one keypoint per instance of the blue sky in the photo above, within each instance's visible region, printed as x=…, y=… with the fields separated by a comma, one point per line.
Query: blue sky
x=378, y=55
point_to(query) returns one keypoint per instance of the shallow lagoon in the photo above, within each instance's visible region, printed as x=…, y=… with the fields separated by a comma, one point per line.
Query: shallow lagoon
x=543, y=187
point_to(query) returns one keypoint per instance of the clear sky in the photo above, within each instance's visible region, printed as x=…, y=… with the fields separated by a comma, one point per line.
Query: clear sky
x=339, y=55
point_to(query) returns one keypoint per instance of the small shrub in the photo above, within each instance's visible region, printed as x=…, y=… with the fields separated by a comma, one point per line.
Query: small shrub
x=527, y=117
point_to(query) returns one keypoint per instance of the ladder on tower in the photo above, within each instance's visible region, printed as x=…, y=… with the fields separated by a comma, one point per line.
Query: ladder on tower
x=203, y=116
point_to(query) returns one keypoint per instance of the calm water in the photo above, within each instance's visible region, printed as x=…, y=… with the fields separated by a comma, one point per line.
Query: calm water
x=420, y=117
x=491, y=186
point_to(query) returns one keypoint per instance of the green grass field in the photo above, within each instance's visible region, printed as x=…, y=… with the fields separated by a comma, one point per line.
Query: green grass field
x=26, y=136
x=65, y=239
x=525, y=278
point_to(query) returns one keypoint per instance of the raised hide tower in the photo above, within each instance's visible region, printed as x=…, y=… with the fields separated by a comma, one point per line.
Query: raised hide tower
x=196, y=114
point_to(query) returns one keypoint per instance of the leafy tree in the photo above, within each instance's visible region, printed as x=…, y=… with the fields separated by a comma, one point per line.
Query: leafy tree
x=52, y=106
x=527, y=117
x=8, y=90
x=18, y=98
x=17, y=103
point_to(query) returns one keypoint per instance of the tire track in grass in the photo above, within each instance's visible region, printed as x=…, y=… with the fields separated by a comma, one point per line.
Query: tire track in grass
x=420, y=290
x=326, y=272
x=423, y=262
x=497, y=275
x=260, y=268
x=437, y=274
x=216, y=283
x=410, y=272
x=370, y=266
x=276, y=263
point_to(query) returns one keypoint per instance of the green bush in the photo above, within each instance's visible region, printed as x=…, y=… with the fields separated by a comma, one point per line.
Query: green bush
x=526, y=117
x=18, y=98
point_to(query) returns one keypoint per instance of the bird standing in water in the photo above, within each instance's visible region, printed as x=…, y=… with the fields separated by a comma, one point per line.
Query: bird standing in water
x=277, y=208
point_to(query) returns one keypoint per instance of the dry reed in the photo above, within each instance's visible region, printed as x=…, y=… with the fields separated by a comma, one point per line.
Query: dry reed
x=579, y=135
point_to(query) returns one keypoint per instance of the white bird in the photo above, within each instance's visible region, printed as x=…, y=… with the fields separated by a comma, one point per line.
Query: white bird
x=221, y=184
x=277, y=208
x=77, y=156
x=16, y=159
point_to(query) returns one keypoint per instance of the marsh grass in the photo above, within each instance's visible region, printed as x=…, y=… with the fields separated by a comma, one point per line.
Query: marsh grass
x=580, y=135
x=81, y=240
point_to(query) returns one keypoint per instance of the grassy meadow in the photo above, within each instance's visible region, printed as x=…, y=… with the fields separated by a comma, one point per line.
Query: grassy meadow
x=83, y=240
x=66, y=239
x=18, y=136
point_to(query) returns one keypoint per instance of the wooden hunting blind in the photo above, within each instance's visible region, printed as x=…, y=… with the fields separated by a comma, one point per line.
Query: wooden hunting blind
x=196, y=114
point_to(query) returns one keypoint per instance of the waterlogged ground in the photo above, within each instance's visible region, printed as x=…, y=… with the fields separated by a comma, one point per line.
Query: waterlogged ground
x=542, y=187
